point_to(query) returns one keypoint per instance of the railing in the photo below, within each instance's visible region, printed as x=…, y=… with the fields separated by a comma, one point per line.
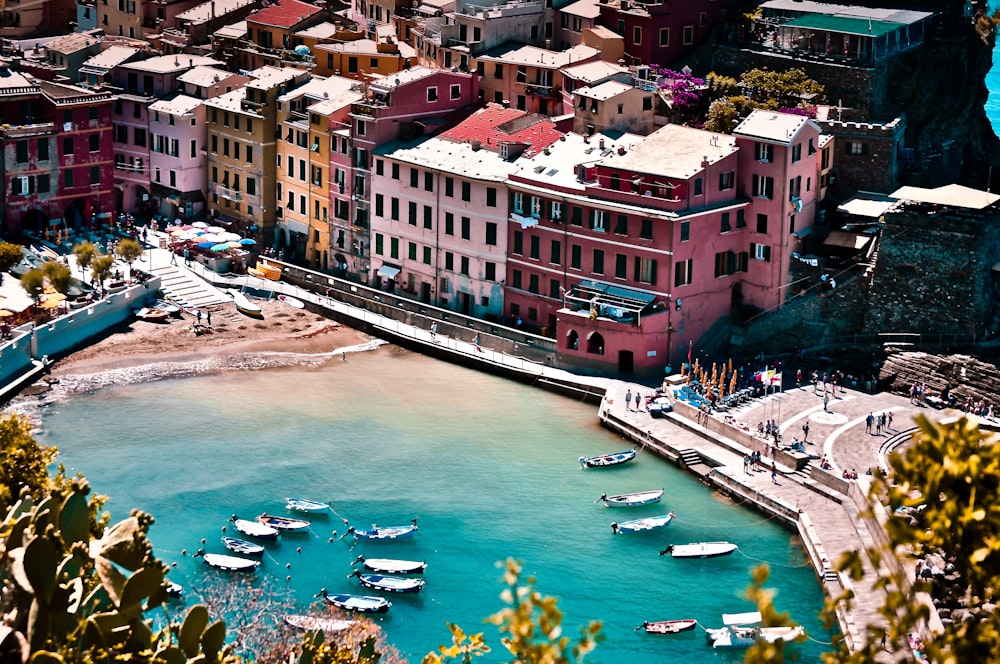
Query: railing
x=28, y=130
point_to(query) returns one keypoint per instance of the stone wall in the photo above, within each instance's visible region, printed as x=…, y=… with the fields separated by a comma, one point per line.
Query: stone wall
x=876, y=168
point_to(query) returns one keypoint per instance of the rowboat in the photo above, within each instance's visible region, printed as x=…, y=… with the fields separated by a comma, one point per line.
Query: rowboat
x=742, y=630
x=303, y=505
x=292, y=301
x=166, y=305
x=610, y=459
x=174, y=590
x=254, y=529
x=244, y=305
x=359, y=603
x=282, y=522
x=392, y=584
x=152, y=315
x=314, y=624
x=700, y=550
x=242, y=546
x=667, y=626
x=643, y=525
x=390, y=566
x=384, y=532
x=229, y=563
x=636, y=499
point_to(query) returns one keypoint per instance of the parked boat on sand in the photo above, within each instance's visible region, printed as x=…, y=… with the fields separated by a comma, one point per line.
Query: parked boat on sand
x=390, y=566
x=359, y=603
x=636, y=499
x=151, y=315
x=605, y=460
x=700, y=550
x=245, y=306
x=292, y=301
x=643, y=525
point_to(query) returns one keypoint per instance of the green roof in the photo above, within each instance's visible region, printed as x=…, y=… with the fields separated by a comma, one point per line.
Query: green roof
x=844, y=24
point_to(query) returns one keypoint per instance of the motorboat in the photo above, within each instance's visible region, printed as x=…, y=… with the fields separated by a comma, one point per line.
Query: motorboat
x=700, y=550
x=303, y=505
x=174, y=590
x=643, y=525
x=254, y=529
x=742, y=630
x=358, y=603
x=384, y=532
x=245, y=306
x=151, y=314
x=637, y=499
x=315, y=624
x=667, y=626
x=292, y=301
x=229, y=563
x=282, y=522
x=390, y=566
x=243, y=547
x=610, y=459
x=392, y=584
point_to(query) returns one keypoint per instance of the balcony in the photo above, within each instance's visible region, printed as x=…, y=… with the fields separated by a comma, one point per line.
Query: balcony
x=24, y=131
x=227, y=193
x=541, y=91
x=254, y=106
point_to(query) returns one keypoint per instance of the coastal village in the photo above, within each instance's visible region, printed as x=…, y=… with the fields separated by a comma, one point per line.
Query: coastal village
x=598, y=197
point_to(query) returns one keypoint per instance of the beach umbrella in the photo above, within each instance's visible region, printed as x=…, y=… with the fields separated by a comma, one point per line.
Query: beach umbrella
x=230, y=237
x=210, y=237
x=732, y=384
x=222, y=246
x=205, y=245
x=234, y=245
x=5, y=314
x=187, y=227
x=178, y=232
x=52, y=300
x=247, y=241
x=215, y=229
x=683, y=369
x=200, y=224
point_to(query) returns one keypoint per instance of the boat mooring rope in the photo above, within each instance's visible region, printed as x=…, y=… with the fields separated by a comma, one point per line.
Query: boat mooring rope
x=762, y=560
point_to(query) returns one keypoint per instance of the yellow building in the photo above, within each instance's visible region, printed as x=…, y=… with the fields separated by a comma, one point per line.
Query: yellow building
x=361, y=58
x=306, y=116
x=241, y=150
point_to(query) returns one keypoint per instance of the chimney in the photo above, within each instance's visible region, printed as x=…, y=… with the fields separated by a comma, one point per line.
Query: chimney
x=191, y=62
x=601, y=144
x=213, y=8
x=475, y=144
x=621, y=149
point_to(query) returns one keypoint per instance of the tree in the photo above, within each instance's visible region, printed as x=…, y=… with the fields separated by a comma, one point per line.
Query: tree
x=722, y=116
x=57, y=275
x=24, y=463
x=10, y=255
x=85, y=253
x=33, y=282
x=100, y=268
x=129, y=251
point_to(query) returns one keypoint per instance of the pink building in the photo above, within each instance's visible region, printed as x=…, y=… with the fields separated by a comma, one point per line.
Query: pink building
x=403, y=106
x=177, y=157
x=627, y=249
x=56, y=154
x=440, y=212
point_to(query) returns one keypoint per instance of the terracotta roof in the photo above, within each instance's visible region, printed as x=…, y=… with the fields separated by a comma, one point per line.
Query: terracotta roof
x=495, y=125
x=285, y=14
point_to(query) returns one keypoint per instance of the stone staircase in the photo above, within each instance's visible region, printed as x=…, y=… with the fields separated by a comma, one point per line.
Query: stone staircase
x=181, y=284
x=961, y=375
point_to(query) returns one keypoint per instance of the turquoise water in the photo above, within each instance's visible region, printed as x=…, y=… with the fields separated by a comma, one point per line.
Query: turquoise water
x=489, y=467
x=993, y=83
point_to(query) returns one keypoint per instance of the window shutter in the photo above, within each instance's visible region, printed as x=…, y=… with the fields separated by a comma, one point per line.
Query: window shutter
x=767, y=252
x=652, y=272
x=591, y=215
x=638, y=266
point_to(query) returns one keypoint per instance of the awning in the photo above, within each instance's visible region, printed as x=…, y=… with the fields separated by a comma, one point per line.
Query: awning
x=805, y=232
x=388, y=271
x=856, y=241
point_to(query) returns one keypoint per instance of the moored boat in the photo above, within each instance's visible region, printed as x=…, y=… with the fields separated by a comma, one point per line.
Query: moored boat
x=742, y=630
x=229, y=563
x=643, y=525
x=610, y=459
x=667, y=626
x=174, y=590
x=392, y=584
x=384, y=532
x=312, y=623
x=254, y=529
x=390, y=566
x=636, y=499
x=303, y=505
x=242, y=546
x=358, y=603
x=700, y=550
x=282, y=522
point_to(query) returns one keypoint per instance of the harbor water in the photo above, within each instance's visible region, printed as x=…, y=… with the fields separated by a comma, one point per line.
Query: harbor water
x=489, y=466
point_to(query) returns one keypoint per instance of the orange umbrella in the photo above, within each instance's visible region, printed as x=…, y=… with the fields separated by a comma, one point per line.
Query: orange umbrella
x=696, y=365
x=683, y=369
x=4, y=313
x=732, y=384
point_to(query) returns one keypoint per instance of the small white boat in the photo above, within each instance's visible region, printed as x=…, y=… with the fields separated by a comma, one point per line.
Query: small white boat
x=254, y=529
x=390, y=566
x=700, y=550
x=292, y=301
x=303, y=505
x=244, y=305
x=282, y=522
x=169, y=307
x=637, y=499
x=742, y=630
x=359, y=603
x=667, y=626
x=152, y=315
x=229, y=563
x=384, y=532
x=314, y=624
x=243, y=547
x=643, y=525
x=610, y=459
x=392, y=584
x=174, y=590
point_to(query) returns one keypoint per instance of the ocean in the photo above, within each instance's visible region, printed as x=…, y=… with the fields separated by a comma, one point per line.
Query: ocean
x=490, y=468
x=993, y=83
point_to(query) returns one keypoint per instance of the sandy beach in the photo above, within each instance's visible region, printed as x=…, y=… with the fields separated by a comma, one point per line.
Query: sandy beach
x=282, y=328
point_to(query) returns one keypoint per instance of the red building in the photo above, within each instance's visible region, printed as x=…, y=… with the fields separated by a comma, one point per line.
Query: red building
x=57, y=154
x=662, y=31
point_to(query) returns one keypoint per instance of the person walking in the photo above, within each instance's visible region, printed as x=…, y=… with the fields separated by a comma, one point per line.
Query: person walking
x=479, y=342
x=434, y=330
x=638, y=400
x=208, y=318
x=805, y=432
x=198, y=316
x=628, y=399
x=889, y=420
x=868, y=423
x=826, y=403
x=798, y=378
x=774, y=473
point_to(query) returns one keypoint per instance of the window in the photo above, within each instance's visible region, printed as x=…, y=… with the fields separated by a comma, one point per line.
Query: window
x=621, y=225
x=536, y=207
x=688, y=35
x=555, y=289
x=555, y=252
x=394, y=247
x=598, y=218
x=682, y=272
x=812, y=147
x=763, y=152
x=685, y=231
x=762, y=224
x=855, y=148
x=456, y=91
x=491, y=197
x=598, y=261
x=730, y=262
x=379, y=167
x=645, y=270
x=518, y=202
x=490, y=271
x=466, y=191
x=575, y=256
x=432, y=94
x=534, y=244
x=139, y=136
x=394, y=208
x=637, y=35
x=43, y=183
x=395, y=171
x=515, y=282
x=761, y=252
x=491, y=233
x=414, y=178
x=741, y=218
x=173, y=176
x=621, y=266
x=795, y=187
x=43, y=147
x=379, y=243
x=95, y=175
x=796, y=152
x=576, y=216
x=763, y=186
x=67, y=146
x=427, y=255
x=698, y=187
x=379, y=205
x=252, y=186
x=533, y=283
x=724, y=225
x=362, y=127
x=428, y=181
x=449, y=223
x=411, y=248
x=412, y=213
x=464, y=269
x=616, y=180
x=428, y=217
x=664, y=37
x=449, y=260
x=647, y=103
x=727, y=180
x=194, y=149
x=466, y=228
x=555, y=211
x=646, y=230
x=518, y=243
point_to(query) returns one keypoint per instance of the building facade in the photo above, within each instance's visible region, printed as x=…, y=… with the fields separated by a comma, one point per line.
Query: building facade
x=177, y=156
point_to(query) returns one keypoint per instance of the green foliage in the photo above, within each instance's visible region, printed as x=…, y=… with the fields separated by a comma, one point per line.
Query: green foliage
x=85, y=253
x=722, y=116
x=128, y=251
x=720, y=86
x=784, y=88
x=463, y=647
x=23, y=462
x=10, y=255
x=316, y=650
x=730, y=102
x=101, y=267
x=763, y=652
x=33, y=282
x=57, y=275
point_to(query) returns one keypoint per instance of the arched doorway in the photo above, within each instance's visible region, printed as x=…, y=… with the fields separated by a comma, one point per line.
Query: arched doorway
x=34, y=221
x=119, y=199
x=595, y=343
x=573, y=340
x=78, y=214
